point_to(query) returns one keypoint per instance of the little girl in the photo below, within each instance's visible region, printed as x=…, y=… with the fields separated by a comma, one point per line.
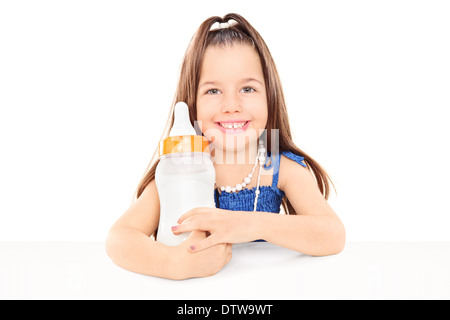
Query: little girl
x=231, y=85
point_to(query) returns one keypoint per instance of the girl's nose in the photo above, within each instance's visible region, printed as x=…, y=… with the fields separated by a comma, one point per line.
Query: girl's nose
x=231, y=105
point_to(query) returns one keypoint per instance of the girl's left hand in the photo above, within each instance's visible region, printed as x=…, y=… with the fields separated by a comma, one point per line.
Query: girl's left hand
x=224, y=226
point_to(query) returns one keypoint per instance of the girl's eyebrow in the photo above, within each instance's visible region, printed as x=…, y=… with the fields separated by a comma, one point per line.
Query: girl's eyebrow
x=250, y=80
x=245, y=80
x=207, y=83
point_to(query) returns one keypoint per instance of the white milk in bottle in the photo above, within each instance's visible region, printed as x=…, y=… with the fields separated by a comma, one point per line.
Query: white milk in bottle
x=185, y=175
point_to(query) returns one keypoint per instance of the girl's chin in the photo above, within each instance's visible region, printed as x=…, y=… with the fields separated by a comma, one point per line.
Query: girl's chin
x=235, y=140
x=223, y=149
x=232, y=144
x=236, y=147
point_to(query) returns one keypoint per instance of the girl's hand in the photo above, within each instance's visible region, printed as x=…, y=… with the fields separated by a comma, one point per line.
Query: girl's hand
x=203, y=264
x=223, y=226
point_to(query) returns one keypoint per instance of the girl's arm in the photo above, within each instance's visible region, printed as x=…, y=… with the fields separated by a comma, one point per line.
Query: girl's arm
x=129, y=244
x=314, y=230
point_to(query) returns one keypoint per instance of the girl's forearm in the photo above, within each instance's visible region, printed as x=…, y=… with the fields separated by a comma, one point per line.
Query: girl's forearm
x=135, y=251
x=313, y=235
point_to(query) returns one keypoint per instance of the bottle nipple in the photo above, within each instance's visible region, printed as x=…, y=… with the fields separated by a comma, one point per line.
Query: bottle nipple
x=182, y=125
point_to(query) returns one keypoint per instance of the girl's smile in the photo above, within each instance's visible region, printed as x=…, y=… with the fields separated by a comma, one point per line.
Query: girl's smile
x=233, y=126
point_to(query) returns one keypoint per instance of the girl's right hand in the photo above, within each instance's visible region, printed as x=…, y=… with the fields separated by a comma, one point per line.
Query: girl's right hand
x=204, y=263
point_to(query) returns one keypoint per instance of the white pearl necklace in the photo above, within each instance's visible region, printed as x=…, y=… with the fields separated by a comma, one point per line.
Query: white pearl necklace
x=261, y=158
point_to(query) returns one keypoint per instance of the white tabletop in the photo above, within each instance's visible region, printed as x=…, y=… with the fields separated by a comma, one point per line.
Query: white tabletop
x=364, y=270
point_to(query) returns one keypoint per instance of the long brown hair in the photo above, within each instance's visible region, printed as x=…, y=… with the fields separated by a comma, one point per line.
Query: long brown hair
x=238, y=32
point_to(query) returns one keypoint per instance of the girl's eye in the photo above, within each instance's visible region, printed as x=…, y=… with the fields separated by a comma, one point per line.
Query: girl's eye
x=244, y=90
x=248, y=90
x=212, y=91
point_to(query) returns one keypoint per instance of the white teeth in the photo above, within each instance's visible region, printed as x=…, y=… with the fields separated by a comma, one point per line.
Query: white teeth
x=235, y=125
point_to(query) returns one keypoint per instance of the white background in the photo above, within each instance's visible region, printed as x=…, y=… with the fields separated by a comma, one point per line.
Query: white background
x=85, y=89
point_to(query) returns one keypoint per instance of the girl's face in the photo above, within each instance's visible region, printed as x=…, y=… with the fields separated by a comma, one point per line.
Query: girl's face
x=231, y=97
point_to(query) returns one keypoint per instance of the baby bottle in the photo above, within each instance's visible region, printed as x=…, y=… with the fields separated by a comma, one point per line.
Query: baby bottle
x=185, y=175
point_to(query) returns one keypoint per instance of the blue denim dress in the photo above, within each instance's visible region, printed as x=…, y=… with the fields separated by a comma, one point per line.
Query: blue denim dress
x=270, y=197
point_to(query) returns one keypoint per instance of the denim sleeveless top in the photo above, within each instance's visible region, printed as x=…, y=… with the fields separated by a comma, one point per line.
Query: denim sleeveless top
x=270, y=197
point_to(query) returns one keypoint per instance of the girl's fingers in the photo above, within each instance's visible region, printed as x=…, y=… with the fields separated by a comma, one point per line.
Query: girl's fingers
x=192, y=225
x=186, y=227
x=192, y=212
x=204, y=244
x=200, y=222
x=188, y=214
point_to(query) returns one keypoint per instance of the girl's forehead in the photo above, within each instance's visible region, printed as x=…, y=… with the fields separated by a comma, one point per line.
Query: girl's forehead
x=238, y=60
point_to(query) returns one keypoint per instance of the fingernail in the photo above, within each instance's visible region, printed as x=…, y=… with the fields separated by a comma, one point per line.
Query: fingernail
x=174, y=228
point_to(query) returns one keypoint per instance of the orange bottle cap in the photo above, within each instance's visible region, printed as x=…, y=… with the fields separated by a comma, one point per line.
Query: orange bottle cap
x=179, y=144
